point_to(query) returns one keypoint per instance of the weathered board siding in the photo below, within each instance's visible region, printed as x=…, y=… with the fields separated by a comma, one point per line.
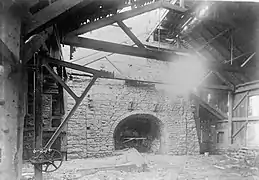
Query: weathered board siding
x=248, y=135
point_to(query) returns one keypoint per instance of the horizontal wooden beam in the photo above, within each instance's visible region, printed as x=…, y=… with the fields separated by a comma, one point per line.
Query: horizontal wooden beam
x=50, y=12
x=239, y=119
x=216, y=87
x=134, y=51
x=117, y=48
x=205, y=105
x=247, y=87
x=77, y=67
x=117, y=77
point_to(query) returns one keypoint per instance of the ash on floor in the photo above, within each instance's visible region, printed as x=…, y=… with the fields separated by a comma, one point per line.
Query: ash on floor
x=129, y=166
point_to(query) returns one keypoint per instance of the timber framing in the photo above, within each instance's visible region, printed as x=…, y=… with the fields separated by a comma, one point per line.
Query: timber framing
x=230, y=117
x=240, y=119
x=224, y=80
x=76, y=67
x=117, y=48
x=165, y=47
x=50, y=12
x=95, y=74
x=254, y=85
x=151, y=82
x=240, y=129
x=205, y=105
x=134, y=51
x=130, y=34
x=124, y=15
x=216, y=87
x=240, y=100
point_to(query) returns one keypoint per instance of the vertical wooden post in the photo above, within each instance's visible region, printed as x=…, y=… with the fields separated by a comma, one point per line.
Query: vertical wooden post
x=246, y=115
x=38, y=115
x=182, y=3
x=12, y=92
x=230, y=116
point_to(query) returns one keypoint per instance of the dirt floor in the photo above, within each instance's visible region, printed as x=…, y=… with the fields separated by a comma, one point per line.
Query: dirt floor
x=156, y=167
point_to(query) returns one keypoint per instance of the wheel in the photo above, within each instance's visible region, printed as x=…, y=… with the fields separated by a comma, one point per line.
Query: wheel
x=50, y=160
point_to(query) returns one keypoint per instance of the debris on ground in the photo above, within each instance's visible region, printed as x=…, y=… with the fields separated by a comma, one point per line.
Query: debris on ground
x=125, y=165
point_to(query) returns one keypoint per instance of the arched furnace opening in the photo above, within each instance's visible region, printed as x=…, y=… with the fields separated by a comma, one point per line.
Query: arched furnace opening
x=139, y=131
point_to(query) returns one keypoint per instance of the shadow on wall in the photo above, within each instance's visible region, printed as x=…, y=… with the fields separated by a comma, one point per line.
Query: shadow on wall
x=139, y=131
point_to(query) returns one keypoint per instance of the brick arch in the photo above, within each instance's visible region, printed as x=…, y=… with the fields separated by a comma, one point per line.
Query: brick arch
x=153, y=116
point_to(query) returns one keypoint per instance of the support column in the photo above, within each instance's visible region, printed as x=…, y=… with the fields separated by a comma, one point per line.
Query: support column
x=38, y=129
x=230, y=116
x=12, y=96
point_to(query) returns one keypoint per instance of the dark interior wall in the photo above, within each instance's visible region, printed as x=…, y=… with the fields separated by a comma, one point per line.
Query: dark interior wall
x=137, y=126
x=52, y=103
x=208, y=133
x=217, y=99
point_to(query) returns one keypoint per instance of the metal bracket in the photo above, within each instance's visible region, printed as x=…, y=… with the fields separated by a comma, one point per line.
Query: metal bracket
x=78, y=100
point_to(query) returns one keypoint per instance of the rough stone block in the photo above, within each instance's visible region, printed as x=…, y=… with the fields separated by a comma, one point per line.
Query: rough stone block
x=110, y=104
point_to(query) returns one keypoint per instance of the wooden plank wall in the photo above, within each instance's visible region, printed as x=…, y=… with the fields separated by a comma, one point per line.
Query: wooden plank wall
x=247, y=136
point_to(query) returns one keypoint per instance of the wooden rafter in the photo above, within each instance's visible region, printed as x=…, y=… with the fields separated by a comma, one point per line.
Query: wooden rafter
x=221, y=43
x=207, y=35
x=130, y=34
x=50, y=12
x=224, y=80
x=122, y=16
x=117, y=48
x=113, y=19
x=134, y=51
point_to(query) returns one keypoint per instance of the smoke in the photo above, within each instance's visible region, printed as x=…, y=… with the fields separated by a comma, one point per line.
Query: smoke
x=182, y=76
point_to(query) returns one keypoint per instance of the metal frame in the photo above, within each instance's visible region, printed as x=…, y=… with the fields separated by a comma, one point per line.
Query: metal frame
x=78, y=100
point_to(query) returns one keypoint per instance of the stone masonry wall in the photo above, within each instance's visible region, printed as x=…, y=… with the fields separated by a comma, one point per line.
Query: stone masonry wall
x=90, y=130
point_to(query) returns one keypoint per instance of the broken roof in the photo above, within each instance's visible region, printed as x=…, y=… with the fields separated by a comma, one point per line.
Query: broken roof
x=225, y=33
